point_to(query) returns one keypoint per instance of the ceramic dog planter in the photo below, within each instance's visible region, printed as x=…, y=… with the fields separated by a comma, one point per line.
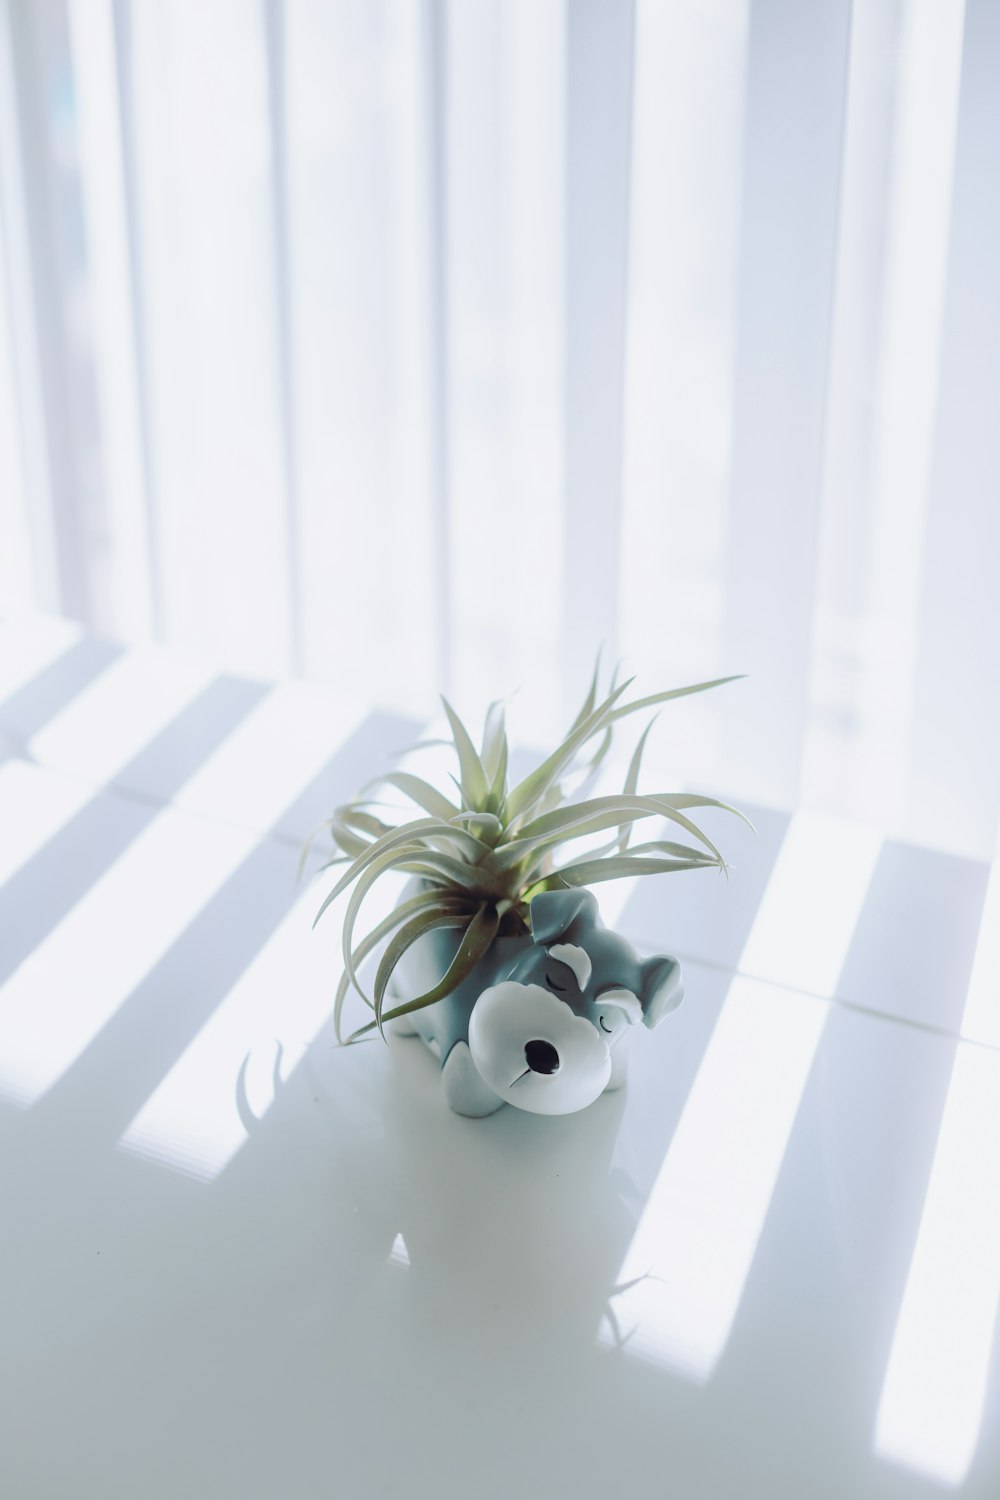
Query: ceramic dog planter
x=495, y=954
x=541, y=1021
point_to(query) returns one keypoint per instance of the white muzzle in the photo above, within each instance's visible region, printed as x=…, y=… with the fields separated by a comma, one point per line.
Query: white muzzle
x=535, y=1052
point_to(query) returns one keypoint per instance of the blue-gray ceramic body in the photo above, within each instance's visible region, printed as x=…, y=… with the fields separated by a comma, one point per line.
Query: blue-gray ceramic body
x=540, y=1021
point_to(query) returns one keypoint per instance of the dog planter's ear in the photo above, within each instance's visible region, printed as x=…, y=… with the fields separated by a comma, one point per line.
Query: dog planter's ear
x=662, y=990
x=554, y=912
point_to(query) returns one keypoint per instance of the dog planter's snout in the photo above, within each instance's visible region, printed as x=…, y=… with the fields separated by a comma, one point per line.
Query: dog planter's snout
x=534, y=1053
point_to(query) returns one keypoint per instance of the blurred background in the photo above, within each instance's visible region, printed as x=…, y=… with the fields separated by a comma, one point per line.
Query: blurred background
x=411, y=345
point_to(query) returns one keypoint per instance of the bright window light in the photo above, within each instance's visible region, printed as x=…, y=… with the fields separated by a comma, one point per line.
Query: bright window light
x=887, y=315
x=935, y=1386
x=127, y=595
x=694, y=1245
x=811, y=905
x=203, y=220
x=126, y=706
x=399, y=1255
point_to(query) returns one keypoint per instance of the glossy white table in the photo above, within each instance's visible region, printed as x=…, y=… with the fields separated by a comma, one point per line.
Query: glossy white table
x=237, y=1261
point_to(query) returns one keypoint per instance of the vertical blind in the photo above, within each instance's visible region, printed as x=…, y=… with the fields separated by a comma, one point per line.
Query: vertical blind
x=421, y=344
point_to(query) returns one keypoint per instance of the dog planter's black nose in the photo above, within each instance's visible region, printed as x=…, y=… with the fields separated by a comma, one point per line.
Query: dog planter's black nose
x=541, y=1057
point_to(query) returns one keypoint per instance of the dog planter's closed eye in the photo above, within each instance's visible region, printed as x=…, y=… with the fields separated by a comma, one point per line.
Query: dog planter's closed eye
x=540, y=1020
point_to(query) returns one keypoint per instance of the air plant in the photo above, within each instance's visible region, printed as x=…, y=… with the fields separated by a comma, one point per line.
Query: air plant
x=482, y=857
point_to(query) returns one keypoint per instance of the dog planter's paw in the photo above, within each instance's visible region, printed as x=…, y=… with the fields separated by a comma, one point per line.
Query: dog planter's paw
x=464, y=1087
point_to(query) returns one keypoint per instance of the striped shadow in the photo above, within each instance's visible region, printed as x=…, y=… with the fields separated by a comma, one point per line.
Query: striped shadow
x=935, y=1391
x=99, y=734
x=209, y=1103
x=29, y=706
x=58, y=875
x=28, y=647
x=180, y=918
x=683, y=1277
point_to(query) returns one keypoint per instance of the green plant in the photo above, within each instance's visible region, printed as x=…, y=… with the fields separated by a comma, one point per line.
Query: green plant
x=481, y=859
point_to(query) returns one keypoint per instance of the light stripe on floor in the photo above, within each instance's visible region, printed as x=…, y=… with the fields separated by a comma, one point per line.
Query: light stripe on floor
x=66, y=991
x=125, y=707
x=286, y=741
x=694, y=1245
x=60, y=997
x=28, y=648
x=193, y=1121
x=931, y=1408
x=34, y=805
x=812, y=902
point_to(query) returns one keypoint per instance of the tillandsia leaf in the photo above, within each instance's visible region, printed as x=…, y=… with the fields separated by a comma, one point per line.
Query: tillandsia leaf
x=368, y=944
x=591, y=768
x=306, y=850
x=394, y=859
x=494, y=739
x=619, y=867
x=362, y=1034
x=477, y=938
x=347, y=815
x=591, y=698
x=683, y=692
x=484, y=826
x=679, y=851
x=533, y=787
x=473, y=778
x=433, y=896
x=404, y=832
x=536, y=868
x=554, y=797
x=419, y=791
x=632, y=779
x=584, y=825
x=489, y=821
x=544, y=780
x=415, y=832
x=350, y=875
x=476, y=878
x=462, y=797
x=352, y=843
x=498, y=786
x=691, y=799
x=426, y=921
x=614, y=809
x=355, y=816
x=453, y=843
